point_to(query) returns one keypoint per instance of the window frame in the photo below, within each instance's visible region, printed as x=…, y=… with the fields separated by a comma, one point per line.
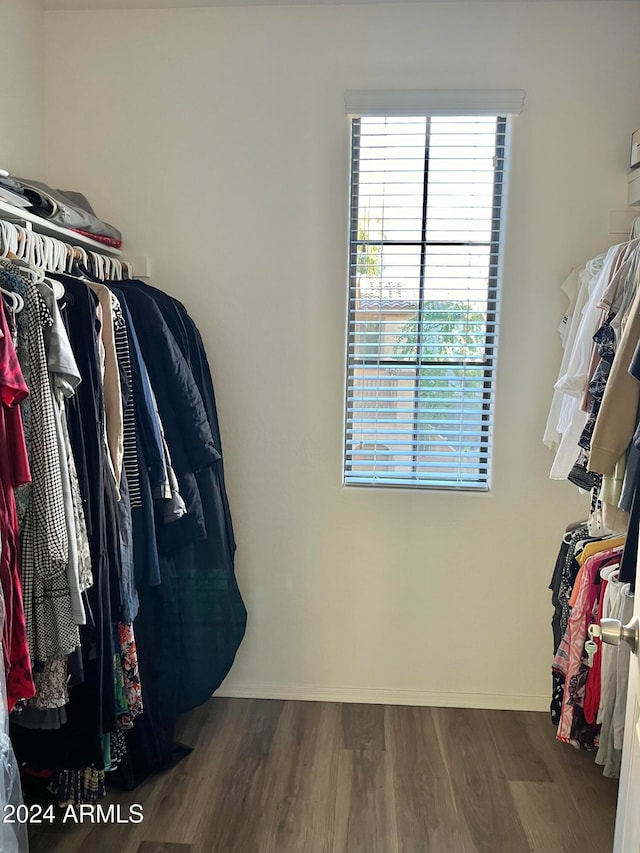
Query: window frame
x=495, y=245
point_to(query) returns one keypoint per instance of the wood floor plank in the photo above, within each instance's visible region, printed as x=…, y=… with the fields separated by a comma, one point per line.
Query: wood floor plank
x=173, y=801
x=66, y=836
x=480, y=790
x=54, y=842
x=519, y=758
x=287, y=777
x=189, y=727
x=573, y=763
x=549, y=825
x=297, y=810
x=593, y=797
x=490, y=815
x=413, y=740
x=365, y=810
x=427, y=818
x=363, y=726
x=466, y=744
x=229, y=802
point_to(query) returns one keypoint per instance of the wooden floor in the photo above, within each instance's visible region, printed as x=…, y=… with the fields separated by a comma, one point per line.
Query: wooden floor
x=313, y=777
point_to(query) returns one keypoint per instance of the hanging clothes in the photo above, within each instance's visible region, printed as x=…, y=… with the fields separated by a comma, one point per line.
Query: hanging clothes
x=197, y=606
x=618, y=604
x=91, y=708
x=14, y=471
x=13, y=834
x=64, y=378
x=136, y=470
x=594, y=422
x=569, y=659
x=51, y=627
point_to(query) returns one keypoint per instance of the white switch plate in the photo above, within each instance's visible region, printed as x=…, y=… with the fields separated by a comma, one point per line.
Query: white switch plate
x=141, y=265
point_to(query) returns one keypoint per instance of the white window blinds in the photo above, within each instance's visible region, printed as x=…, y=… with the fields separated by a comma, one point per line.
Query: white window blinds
x=424, y=270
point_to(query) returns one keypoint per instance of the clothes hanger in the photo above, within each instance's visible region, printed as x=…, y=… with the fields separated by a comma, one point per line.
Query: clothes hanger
x=35, y=273
x=115, y=271
x=17, y=302
x=83, y=264
x=82, y=260
x=97, y=263
x=93, y=265
x=70, y=258
x=9, y=238
x=60, y=255
x=86, y=274
x=36, y=250
x=102, y=264
x=35, y=253
x=110, y=268
x=57, y=286
x=47, y=252
x=54, y=253
x=51, y=255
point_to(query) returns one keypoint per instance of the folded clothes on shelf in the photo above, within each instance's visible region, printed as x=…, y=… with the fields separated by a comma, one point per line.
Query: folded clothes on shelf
x=13, y=198
x=65, y=208
x=11, y=191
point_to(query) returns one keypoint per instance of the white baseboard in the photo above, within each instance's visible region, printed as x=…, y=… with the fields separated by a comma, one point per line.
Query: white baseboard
x=385, y=696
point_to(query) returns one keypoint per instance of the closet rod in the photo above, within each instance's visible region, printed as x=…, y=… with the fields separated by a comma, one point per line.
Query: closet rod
x=40, y=250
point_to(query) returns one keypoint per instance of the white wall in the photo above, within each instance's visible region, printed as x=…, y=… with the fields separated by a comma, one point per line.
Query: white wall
x=216, y=139
x=21, y=72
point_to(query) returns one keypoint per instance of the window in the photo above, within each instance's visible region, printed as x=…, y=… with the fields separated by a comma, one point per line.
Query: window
x=424, y=274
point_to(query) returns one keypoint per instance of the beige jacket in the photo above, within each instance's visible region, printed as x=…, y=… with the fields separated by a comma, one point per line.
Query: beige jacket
x=111, y=384
x=617, y=418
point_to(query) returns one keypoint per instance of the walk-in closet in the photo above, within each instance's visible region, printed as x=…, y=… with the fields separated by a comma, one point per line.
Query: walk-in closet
x=319, y=442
